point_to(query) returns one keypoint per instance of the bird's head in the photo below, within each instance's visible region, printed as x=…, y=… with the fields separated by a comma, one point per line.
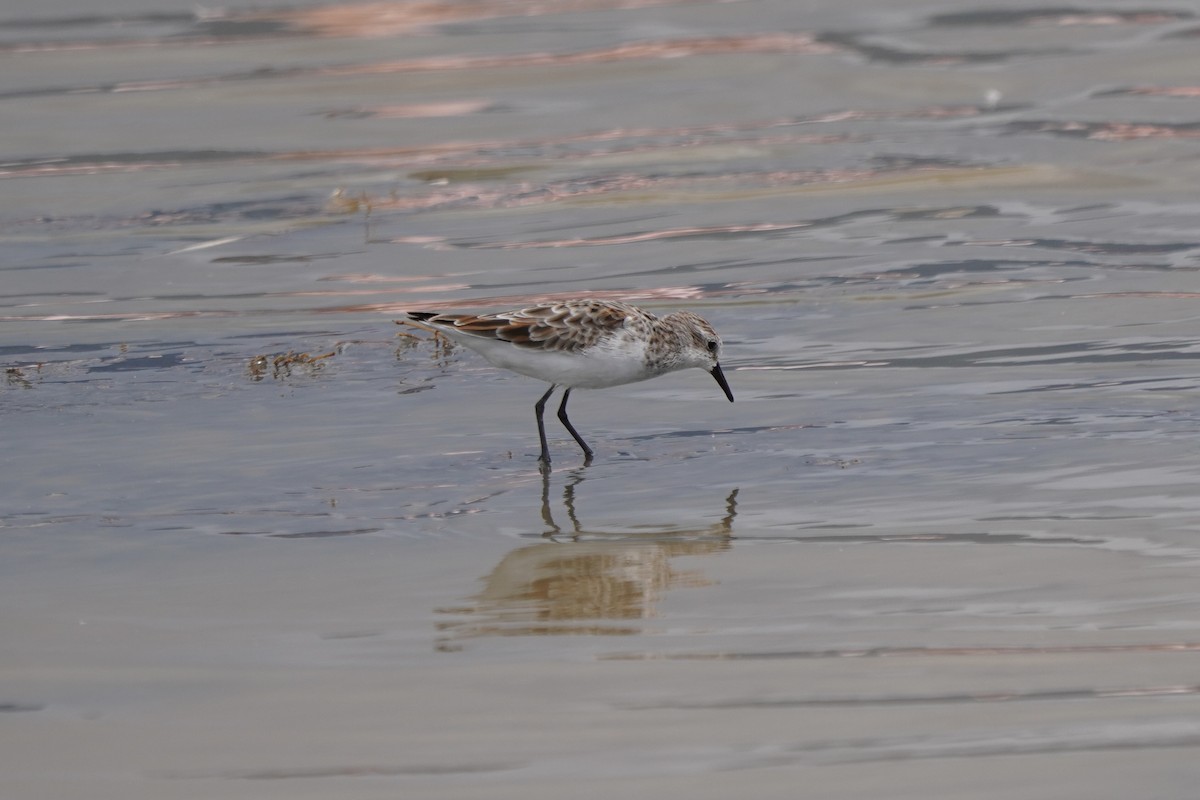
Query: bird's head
x=700, y=346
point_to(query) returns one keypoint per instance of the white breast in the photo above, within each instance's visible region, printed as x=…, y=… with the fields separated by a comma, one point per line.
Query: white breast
x=609, y=363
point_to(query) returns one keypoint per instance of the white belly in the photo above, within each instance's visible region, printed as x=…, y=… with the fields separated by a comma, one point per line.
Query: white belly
x=594, y=368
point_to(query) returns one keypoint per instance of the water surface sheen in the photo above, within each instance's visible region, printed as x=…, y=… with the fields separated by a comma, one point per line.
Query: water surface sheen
x=257, y=541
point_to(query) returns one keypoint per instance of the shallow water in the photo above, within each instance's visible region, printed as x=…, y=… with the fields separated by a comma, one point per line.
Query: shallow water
x=258, y=541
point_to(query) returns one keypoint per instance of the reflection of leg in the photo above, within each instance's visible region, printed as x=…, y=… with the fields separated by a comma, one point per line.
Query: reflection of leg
x=569, y=500
x=552, y=529
x=539, y=407
x=547, y=517
x=562, y=417
x=730, y=511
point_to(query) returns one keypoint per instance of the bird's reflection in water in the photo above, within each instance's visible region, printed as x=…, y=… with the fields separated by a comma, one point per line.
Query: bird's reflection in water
x=585, y=581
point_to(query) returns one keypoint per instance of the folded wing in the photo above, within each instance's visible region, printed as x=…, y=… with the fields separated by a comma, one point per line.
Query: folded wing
x=554, y=326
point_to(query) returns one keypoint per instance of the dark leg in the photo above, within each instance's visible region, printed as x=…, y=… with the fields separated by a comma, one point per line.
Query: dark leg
x=562, y=417
x=539, y=407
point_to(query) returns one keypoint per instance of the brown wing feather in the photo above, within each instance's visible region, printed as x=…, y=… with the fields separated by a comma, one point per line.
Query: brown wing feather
x=568, y=327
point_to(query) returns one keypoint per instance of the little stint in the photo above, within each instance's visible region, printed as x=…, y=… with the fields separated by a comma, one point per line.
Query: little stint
x=583, y=344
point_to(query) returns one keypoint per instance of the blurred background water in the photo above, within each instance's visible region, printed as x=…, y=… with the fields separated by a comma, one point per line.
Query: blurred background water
x=257, y=541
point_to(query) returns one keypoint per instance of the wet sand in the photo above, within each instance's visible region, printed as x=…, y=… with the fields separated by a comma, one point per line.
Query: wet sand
x=258, y=541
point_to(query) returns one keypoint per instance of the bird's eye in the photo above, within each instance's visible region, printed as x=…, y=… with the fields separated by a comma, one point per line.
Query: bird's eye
x=712, y=345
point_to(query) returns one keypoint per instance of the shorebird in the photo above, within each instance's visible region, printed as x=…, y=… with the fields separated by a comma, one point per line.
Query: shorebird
x=583, y=344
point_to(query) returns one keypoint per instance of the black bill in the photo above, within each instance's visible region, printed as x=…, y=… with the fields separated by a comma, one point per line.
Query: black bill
x=720, y=378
